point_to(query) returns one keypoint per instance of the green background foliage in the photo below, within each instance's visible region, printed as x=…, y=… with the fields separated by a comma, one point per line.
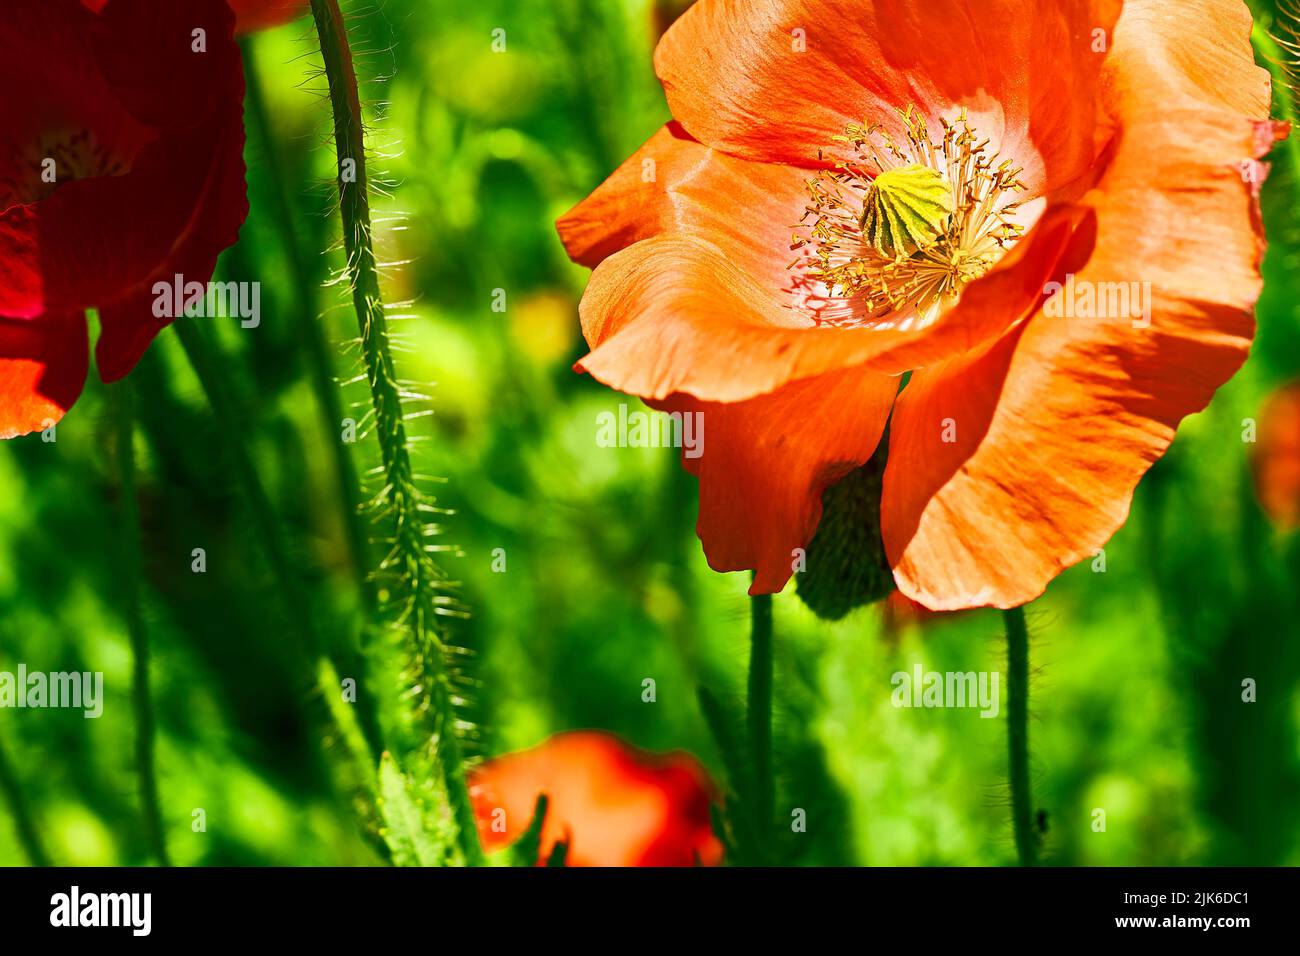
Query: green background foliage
x=1136, y=672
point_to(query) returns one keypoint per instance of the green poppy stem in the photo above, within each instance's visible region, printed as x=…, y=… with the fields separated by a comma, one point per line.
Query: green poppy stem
x=317, y=347
x=759, y=712
x=329, y=406
x=1018, y=734
x=122, y=396
x=418, y=580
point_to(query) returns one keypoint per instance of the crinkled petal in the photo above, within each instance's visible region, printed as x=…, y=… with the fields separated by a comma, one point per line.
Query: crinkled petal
x=672, y=315
x=764, y=463
x=774, y=80
x=1055, y=425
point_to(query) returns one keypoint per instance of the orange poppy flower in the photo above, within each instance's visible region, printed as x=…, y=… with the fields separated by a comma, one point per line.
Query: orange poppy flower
x=614, y=805
x=1276, y=462
x=1063, y=255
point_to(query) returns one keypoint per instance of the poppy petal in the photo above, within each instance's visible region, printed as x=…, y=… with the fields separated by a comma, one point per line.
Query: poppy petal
x=672, y=315
x=42, y=370
x=250, y=15
x=675, y=185
x=611, y=803
x=1056, y=424
x=765, y=463
x=128, y=323
x=775, y=80
x=260, y=14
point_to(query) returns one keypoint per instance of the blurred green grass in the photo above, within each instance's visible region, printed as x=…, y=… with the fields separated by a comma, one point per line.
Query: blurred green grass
x=1137, y=672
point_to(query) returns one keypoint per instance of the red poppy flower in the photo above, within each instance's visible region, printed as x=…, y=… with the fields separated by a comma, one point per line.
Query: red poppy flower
x=250, y=15
x=1276, y=462
x=121, y=145
x=614, y=805
x=1043, y=158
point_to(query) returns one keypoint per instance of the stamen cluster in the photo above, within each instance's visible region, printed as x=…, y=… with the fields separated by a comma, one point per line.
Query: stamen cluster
x=915, y=285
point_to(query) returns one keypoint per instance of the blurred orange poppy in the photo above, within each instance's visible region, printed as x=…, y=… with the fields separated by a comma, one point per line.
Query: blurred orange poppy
x=1276, y=461
x=612, y=804
x=1046, y=211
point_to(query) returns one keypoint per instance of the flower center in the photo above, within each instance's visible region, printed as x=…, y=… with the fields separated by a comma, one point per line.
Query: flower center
x=896, y=230
x=55, y=158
